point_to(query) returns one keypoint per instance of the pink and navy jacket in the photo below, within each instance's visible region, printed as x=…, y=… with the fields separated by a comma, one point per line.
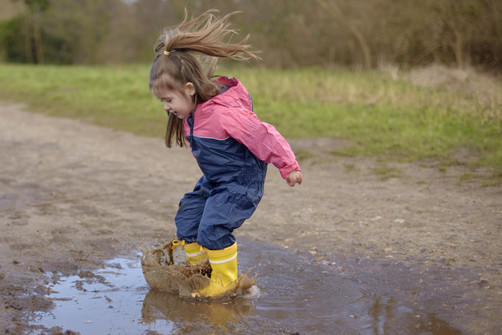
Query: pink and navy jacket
x=232, y=148
x=223, y=125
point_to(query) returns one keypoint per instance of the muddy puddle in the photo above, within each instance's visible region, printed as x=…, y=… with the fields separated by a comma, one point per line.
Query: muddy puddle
x=296, y=296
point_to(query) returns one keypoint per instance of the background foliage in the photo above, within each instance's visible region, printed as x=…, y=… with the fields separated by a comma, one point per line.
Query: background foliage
x=291, y=33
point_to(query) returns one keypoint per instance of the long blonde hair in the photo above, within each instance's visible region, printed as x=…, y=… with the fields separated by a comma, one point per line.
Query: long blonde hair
x=175, y=63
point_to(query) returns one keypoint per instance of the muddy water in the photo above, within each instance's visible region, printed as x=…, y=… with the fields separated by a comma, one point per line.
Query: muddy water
x=296, y=296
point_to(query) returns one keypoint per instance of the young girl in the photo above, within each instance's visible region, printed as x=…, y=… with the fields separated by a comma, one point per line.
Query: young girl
x=230, y=144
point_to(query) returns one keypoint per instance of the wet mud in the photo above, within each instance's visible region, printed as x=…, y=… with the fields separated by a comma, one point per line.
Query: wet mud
x=348, y=251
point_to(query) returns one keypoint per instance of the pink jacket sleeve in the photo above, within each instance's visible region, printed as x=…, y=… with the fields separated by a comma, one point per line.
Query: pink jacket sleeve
x=261, y=138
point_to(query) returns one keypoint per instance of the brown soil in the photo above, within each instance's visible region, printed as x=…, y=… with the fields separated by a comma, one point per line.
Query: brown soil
x=73, y=195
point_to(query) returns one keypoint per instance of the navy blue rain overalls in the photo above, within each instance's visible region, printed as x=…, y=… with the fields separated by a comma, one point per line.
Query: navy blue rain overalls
x=226, y=195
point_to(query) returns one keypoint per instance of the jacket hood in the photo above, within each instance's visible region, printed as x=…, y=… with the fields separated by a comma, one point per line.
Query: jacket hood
x=233, y=94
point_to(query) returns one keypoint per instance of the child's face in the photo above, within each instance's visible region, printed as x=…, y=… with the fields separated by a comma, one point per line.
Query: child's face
x=179, y=103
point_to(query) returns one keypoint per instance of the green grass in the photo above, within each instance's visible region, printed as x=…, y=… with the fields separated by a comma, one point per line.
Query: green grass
x=114, y=97
x=380, y=115
x=385, y=172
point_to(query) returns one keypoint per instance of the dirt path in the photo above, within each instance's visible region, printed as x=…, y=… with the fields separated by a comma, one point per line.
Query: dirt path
x=73, y=195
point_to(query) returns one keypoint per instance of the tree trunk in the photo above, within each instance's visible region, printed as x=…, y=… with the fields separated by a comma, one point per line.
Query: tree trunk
x=28, y=51
x=37, y=37
x=362, y=44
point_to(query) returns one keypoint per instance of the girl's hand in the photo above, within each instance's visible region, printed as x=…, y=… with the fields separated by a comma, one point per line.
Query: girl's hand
x=295, y=177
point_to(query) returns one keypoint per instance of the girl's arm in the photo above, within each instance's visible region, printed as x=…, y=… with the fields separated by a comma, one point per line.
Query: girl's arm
x=263, y=140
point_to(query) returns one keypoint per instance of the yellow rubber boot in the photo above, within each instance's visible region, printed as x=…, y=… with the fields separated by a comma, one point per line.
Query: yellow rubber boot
x=196, y=254
x=224, y=275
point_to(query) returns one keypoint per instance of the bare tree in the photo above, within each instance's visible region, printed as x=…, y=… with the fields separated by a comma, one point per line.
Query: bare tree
x=334, y=9
x=34, y=28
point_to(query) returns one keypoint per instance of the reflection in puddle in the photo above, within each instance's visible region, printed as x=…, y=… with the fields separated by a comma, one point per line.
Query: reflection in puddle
x=160, y=305
x=297, y=297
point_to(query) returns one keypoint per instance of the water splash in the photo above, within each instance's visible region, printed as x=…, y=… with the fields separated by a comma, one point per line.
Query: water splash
x=166, y=268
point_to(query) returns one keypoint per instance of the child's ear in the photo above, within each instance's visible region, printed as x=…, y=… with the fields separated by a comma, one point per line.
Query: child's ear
x=190, y=89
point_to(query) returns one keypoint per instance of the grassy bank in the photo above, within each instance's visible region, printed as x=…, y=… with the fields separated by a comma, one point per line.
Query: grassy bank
x=380, y=112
